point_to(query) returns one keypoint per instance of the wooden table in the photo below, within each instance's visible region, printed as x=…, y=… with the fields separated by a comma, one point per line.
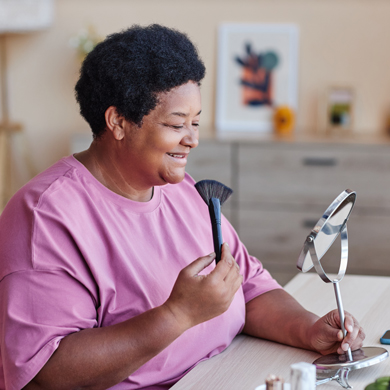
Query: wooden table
x=247, y=361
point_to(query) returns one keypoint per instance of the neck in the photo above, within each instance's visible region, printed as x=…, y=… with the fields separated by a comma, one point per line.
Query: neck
x=105, y=166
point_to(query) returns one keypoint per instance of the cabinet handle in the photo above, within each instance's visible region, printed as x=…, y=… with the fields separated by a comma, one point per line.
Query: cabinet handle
x=320, y=161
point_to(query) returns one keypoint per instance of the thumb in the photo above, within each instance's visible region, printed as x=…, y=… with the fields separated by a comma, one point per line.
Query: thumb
x=199, y=264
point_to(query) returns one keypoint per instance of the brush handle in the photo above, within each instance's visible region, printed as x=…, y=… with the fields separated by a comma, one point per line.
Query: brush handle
x=215, y=218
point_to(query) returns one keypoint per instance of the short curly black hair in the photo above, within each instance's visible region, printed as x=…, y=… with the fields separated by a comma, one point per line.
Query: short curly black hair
x=128, y=69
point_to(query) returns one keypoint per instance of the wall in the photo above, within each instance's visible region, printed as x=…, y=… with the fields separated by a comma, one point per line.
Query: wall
x=342, y=42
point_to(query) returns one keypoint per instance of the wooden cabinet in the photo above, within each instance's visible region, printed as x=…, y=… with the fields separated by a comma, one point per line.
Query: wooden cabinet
x=314, y=173
x=213, y=160
x=282, y=189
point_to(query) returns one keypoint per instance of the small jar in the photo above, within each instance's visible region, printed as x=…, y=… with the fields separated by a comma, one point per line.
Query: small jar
x=274, y=383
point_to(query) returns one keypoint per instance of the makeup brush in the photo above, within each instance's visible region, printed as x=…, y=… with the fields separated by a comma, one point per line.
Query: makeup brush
x=214, y=194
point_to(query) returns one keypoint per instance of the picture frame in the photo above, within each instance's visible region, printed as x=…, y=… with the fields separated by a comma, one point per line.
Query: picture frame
x=25, y=15
x=340, y=110
x=257, y=71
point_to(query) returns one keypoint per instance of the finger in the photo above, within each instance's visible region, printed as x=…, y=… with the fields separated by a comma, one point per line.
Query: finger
x=234, y=271
x=351, y=325
x=344, y=342
x=225, y=251
x=359, y=339
x=233, y=274
x=232, y=282
x=336, y=322
x=356, y=337
x=225, y=264
x=349, y=322
x=199, y=264
x=362, y=335
x=356, y=344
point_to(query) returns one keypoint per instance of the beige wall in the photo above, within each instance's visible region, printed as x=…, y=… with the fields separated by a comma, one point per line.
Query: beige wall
x=342, y=42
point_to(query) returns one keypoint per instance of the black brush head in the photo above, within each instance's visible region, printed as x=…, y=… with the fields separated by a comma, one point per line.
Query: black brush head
x=213, y=189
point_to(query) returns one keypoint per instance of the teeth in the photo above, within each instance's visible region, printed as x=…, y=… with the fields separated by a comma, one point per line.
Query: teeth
x=176, y=155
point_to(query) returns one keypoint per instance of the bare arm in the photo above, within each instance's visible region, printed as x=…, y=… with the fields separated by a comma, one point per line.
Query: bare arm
x=277, y=316
x=102, y=357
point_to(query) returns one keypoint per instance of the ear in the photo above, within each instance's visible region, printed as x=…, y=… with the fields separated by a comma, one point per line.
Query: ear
x=115, y=123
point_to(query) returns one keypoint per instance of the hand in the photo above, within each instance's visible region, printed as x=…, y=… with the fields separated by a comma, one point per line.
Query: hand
x=327, y=337
x=198, y=298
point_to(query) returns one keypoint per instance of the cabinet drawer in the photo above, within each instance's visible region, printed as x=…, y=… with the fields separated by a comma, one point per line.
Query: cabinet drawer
x=314, y=174
x=369, y=244
x=276, y=238
x=210, y=160
x=272, y=235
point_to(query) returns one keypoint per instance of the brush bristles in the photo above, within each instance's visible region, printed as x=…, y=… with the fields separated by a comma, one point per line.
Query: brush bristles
x=213, y=189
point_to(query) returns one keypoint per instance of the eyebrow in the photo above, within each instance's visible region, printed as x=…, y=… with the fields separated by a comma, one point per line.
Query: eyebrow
x=184, y=115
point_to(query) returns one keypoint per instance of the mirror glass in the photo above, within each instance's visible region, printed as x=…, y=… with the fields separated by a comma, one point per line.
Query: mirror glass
x=328, y=228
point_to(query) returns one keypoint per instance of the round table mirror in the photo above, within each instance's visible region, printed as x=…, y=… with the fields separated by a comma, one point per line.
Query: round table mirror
x=330, y=226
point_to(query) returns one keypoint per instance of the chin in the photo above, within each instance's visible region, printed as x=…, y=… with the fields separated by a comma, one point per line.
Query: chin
x=174, y=179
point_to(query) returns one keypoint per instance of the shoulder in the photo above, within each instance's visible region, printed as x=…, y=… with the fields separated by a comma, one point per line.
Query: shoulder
x=18, y=220
x=31, y=193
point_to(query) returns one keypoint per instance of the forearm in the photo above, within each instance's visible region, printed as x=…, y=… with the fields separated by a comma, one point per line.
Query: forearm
x=102, y=357
x=277, y=316
x=99, y=358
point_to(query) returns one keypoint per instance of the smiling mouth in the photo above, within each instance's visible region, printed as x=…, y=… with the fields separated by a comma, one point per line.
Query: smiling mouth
x=177, y=155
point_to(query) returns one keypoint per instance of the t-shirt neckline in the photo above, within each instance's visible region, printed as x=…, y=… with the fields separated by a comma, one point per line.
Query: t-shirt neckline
x=139, y=207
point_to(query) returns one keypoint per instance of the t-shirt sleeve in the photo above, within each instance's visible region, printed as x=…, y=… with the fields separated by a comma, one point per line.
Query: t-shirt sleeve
x=256, y=279
x=38, y=309
x=48, y=294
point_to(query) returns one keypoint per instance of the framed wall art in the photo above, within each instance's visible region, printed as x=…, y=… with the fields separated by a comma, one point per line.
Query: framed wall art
x=340, y=109
x=257, y=71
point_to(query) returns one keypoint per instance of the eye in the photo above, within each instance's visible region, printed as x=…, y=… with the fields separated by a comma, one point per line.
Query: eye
x=195, y=124
x=177, y=127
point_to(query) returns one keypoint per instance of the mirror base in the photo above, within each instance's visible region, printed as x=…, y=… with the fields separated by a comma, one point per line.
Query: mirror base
x=363, y=357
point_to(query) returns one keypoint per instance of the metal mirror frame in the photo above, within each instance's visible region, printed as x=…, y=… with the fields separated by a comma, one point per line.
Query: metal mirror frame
x=347, y=196
x=309, y=257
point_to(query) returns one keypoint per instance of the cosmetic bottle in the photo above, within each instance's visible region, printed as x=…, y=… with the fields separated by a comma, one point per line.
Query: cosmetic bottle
x=274, y=383
x=303, y=376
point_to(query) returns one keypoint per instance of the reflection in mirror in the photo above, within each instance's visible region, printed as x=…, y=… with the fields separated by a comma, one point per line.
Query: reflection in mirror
x=333, y=226
x=330, y=261
x=328, y=228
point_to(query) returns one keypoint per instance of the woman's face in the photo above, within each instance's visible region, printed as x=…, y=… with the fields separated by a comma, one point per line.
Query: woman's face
x=156, y=153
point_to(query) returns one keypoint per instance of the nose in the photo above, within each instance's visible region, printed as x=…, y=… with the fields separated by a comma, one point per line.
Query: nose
x=191, y=139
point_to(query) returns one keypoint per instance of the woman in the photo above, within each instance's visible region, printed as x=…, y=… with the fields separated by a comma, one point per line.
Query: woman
x=105, y=281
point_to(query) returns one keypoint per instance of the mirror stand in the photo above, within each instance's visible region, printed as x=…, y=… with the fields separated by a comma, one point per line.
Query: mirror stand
x=341, y=377
x=332, y=224
x=343, y=267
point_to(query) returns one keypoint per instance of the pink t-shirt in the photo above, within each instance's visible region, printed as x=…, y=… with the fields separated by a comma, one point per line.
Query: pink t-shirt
x=74, y=255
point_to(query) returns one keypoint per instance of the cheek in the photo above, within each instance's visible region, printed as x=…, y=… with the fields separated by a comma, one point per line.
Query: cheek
x=166, y=145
